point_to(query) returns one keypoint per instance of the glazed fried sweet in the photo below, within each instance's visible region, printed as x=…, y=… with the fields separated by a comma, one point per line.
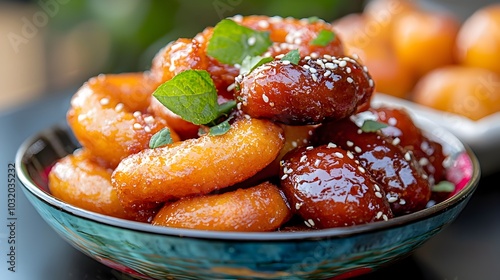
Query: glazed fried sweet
x=78, y=180
x=315, y=90
x=259, y=208
x=197, y=166
x=108, y=116
x=396, y=170
x=328, y=188
x=403, y=131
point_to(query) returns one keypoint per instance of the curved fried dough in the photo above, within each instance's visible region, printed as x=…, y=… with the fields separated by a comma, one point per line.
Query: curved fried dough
x=259, y=208
x=197, y=166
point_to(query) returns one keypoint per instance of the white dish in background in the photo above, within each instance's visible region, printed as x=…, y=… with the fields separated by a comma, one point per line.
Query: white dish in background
x=483, y=136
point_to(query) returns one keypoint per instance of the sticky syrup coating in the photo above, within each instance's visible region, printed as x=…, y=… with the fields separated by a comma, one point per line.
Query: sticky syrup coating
x=255, y=209
x=108, y=116
x=78, y=180
x=395, y=170
x=315, y=90
x=403, y=131
x=197, y=166
x=327, y=188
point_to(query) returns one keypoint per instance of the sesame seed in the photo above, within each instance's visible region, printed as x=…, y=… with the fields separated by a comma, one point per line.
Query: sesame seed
x=365, y=69
x=238, y=106
x=407, y=156
x=149, y=119
x=355, y=56
x=385, y=217
x=137, y=114
x=285, y=62
x=104, y=101
x=307, y=58
x=348, y=70
x=330, y=65
x=312, y=70
x=378, y=194
x=361, y=169
x=137, y=126
x=314, y=77
x=359, y=131
x=303, y=158
x=288, y=170
x=357, y=149
x=263, y=24
x=327, y=73
x=392, y=121
x=271, y=104
x=331, y=145
x=317, y=162
x=379, y=214
x=327, y=56
x=119, y=107
x=284, y=177
x=298, y=205
x=370, y=82
x=350, y=155
x=265, y=98
x=423, y=161
x=231, y=87
x=402, y=201
x=314, y=55
x=306, y=67
x=309, y=148
x=320, y=63
x=311, y=222
x=349, y=143
x=396, y=141
x=377, y=188
x=251, y=41
x=247, y=116
x=307, y=224
x=350, y=80
x=343, y=63
x=147, y=129
x=294, y=144
x=339, y=154
x=392, y=199
x=297, y=41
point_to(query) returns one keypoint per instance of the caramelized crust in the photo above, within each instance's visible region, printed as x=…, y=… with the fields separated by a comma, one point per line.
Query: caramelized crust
x=259, y=208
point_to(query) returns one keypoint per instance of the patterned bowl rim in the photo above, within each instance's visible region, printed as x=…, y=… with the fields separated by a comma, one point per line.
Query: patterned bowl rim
x=59, y=205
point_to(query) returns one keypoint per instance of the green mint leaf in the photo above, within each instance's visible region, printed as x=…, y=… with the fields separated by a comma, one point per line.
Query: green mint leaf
x=231, y=42
x=192, y=95
x=324, y=38
x=372, y=126
x=313, y=19
x=443, y=186
x=221, y=128
x=249, y=63
x=292, y=56
x=226, y=107
x=161, y=138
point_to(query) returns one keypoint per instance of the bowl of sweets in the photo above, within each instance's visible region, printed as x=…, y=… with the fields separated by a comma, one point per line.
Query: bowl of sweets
x=250, y=151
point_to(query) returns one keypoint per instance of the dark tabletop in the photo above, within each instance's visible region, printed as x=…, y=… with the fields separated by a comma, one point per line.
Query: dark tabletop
x=467, y=249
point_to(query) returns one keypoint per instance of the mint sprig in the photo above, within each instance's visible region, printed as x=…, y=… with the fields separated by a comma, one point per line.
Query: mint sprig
x=372, y=126
x=249, y=63
x=190, y=94
x=443, y=186
x=161, y=138
x=323, y=38
x=293, y=56
x=231, y=43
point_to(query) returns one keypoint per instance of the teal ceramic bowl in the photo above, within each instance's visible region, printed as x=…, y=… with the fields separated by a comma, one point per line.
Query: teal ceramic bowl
x=144, y=251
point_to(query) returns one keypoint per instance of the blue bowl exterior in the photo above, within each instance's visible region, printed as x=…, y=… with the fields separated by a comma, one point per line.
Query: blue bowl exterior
x=148, y=255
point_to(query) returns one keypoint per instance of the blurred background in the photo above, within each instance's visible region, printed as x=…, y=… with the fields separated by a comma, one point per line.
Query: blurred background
x=47, y=46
